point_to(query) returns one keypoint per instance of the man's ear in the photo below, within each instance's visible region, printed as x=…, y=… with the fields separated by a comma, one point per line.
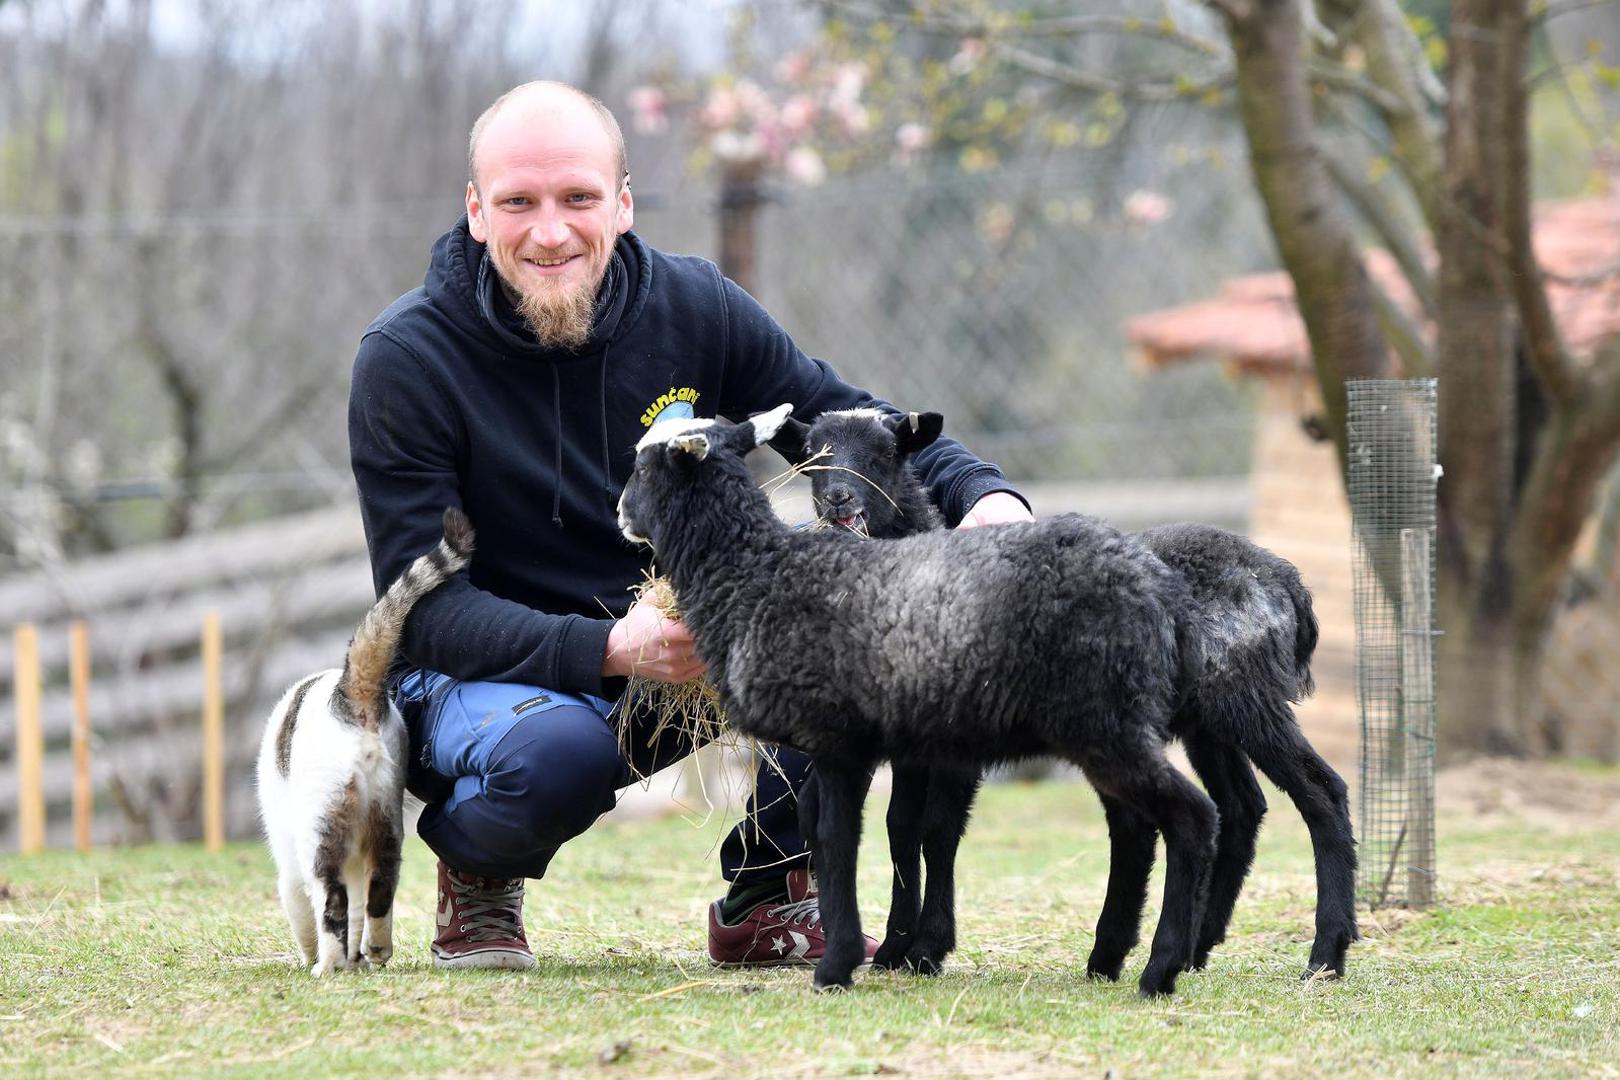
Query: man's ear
x=913, y=431
x=624, y=213
x=475, y=214
x=791, y=440
x=692, y=443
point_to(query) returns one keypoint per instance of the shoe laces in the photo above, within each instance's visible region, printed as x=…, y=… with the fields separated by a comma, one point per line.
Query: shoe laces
x=486, y=911
x=808, y=910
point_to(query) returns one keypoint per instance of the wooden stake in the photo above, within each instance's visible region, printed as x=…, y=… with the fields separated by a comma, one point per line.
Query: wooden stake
x=79, y=675
x=213, y=737
x=30, y=742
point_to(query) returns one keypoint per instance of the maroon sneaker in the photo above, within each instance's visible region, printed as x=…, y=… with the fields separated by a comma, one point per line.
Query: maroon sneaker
x=775, y=933
x=480, y=923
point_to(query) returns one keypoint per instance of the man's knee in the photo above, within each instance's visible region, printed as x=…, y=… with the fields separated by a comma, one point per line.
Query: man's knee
x=552, y=780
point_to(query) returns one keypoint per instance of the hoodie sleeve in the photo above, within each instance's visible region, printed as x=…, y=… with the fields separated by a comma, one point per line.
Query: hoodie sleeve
x=405, y=441
x=764, y=368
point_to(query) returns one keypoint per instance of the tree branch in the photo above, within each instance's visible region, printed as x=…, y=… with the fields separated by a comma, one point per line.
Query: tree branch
x=938, y=22
x=1395, y=62
x=1552, y=9
x=1545, y=346
x=1396, y=236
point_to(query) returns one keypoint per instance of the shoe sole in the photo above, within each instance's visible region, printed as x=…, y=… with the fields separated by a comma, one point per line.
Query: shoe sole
x=805, y=962
x=498, y=959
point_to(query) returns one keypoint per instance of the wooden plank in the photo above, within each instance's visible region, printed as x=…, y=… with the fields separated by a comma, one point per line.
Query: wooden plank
x=333, y=590
x=30, y=743
x=130, y=699
x=181, y=567
x=213, y=737
x=83, y=794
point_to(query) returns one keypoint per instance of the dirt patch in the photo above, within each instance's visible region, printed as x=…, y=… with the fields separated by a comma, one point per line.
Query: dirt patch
x=1537, y=792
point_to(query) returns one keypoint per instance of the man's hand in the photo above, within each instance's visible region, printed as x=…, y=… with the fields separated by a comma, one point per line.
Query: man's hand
x=996, y=508
x=647, y=644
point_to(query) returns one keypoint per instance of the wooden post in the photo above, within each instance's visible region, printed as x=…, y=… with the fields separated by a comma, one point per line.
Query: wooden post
x=1417, y=696
x=213, y=718
x=741, y=196
x=30, y=742
x=79, y=676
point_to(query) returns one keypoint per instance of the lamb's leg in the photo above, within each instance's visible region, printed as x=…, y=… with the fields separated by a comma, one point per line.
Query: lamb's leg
x=950, y=801
x=1132, y=843
x=300, y=916
x=384, y=843
x=838, y=836
x=1231, y=783
x=907, y=804
x=1150, y=785
x=1282, y=753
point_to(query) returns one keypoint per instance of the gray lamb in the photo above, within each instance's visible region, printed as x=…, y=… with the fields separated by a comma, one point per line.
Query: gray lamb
x=1252, y=617
x=963, y=648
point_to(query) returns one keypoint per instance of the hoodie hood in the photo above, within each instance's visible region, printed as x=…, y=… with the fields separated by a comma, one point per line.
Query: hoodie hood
x=462, y=281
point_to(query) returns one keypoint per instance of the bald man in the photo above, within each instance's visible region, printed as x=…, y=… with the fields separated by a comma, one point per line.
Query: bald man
x=545, y=340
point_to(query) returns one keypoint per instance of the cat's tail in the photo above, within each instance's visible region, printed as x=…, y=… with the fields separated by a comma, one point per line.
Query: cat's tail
x=359, y=694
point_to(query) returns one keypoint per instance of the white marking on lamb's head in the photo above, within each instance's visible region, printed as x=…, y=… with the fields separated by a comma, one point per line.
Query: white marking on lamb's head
x=665, y=430
x=766, y=424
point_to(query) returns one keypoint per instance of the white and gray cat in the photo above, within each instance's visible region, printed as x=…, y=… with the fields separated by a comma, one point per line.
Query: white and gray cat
x=332, y=780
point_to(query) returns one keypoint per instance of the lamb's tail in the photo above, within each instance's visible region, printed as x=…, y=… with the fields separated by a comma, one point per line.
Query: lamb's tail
x=1305, y=634
x=359, y=694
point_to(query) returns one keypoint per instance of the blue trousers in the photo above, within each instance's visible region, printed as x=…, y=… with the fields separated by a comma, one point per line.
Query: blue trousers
x=510, y=773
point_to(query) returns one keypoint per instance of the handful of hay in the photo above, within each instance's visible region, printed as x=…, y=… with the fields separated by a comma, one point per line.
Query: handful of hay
x=690, y=710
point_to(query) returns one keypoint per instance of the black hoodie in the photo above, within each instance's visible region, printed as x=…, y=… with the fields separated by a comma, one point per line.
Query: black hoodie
x=455, y=403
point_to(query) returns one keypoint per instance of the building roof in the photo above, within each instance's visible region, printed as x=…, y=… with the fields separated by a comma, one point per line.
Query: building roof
x=1254, y=326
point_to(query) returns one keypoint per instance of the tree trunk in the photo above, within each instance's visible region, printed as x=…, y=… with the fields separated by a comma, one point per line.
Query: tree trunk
x=1314, y=237
x=1481, y=661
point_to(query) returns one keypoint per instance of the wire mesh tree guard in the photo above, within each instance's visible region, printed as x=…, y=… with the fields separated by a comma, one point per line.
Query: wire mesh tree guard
x=1392, y=477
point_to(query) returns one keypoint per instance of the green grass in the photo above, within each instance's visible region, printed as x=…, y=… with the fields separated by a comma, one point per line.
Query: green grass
x=169, y=960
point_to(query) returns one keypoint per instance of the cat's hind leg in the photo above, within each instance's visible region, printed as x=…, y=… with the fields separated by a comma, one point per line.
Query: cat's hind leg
x=300, y=915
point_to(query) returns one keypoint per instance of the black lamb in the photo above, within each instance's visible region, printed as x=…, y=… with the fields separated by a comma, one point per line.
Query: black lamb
x=1256, y=631
x=962, y=648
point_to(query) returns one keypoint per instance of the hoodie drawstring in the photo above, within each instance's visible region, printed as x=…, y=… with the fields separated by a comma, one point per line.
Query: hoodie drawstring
x=557, y=473
x=607, y=462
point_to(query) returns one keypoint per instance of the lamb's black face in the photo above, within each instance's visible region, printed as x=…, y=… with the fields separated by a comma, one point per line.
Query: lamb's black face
x=864, y=455
x=673, y=458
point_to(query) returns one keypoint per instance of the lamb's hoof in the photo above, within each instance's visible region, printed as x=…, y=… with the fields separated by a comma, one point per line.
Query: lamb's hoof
x=925, y=961
x=1157, y=981
x=1200, y=961
x=321, y=969
x=832, y=979
x=891, y=955
x=379, y=955
x=1104, y=969
x=1322, y=972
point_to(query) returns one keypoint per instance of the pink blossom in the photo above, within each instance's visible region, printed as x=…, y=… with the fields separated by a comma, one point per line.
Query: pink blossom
x=793, y=68
x=798, y=113
x=1146, y=208
x=968, y=55
x=648, y=105
x=721, y=109
x=912, y=137
x=804, y=166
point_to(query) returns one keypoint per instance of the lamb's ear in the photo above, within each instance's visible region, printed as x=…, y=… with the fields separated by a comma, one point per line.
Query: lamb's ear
x=792, y=440
x=767, y=424
x=695, y=443
x=913, y=431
